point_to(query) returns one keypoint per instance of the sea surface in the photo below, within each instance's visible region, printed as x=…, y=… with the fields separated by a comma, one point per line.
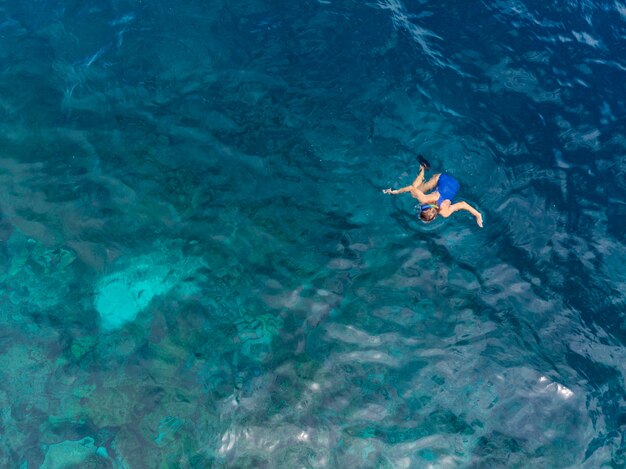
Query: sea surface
x=198, y=267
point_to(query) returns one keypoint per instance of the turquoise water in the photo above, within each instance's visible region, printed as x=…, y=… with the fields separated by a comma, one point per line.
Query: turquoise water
x=199, y=268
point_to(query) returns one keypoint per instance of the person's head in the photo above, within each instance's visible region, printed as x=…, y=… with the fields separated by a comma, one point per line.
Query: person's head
x=428, y=213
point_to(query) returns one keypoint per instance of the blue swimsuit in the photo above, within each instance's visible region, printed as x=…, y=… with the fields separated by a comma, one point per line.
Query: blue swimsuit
x=447, y=187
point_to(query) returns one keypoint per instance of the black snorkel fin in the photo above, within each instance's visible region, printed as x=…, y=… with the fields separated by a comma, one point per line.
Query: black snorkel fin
x=423, y=162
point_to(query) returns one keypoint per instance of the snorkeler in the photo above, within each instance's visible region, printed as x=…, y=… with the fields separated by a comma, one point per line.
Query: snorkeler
x=439, y=202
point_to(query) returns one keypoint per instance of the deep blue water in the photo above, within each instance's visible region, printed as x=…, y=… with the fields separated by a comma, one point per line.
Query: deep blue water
x=199, y=268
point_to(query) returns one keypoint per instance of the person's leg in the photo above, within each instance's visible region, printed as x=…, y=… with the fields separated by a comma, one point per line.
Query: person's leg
x=419, y=188
x=419, y=179
x=425, y=186
x=418, y=185
x=430, y=184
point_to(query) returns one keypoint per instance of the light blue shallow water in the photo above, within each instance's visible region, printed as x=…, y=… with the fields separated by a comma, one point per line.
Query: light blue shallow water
x=199, y=269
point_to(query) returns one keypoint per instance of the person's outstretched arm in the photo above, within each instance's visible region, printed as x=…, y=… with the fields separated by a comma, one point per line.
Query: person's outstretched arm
x=463, y=206
x=398, y=191
x=416, y=193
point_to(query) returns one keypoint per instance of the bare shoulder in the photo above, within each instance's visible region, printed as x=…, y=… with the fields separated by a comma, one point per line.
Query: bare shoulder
x=448, y=208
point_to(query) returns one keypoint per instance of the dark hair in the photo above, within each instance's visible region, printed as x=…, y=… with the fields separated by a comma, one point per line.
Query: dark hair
x=429, y=214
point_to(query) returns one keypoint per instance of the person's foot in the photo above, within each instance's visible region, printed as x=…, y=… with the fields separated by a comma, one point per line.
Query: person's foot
x=423, y=162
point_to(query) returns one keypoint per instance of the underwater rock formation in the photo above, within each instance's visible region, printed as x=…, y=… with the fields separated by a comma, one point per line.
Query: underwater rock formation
x=72, y=454
x=123, y=294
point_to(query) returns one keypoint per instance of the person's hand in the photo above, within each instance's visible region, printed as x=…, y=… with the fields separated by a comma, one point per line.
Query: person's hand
x=479, y=220
x=386, y=191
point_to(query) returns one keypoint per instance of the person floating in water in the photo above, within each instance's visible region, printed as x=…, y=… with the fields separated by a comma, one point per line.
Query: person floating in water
x=439, y=202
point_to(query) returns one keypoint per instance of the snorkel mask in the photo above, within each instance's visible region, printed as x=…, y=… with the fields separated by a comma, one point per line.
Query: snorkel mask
x=428, y=207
